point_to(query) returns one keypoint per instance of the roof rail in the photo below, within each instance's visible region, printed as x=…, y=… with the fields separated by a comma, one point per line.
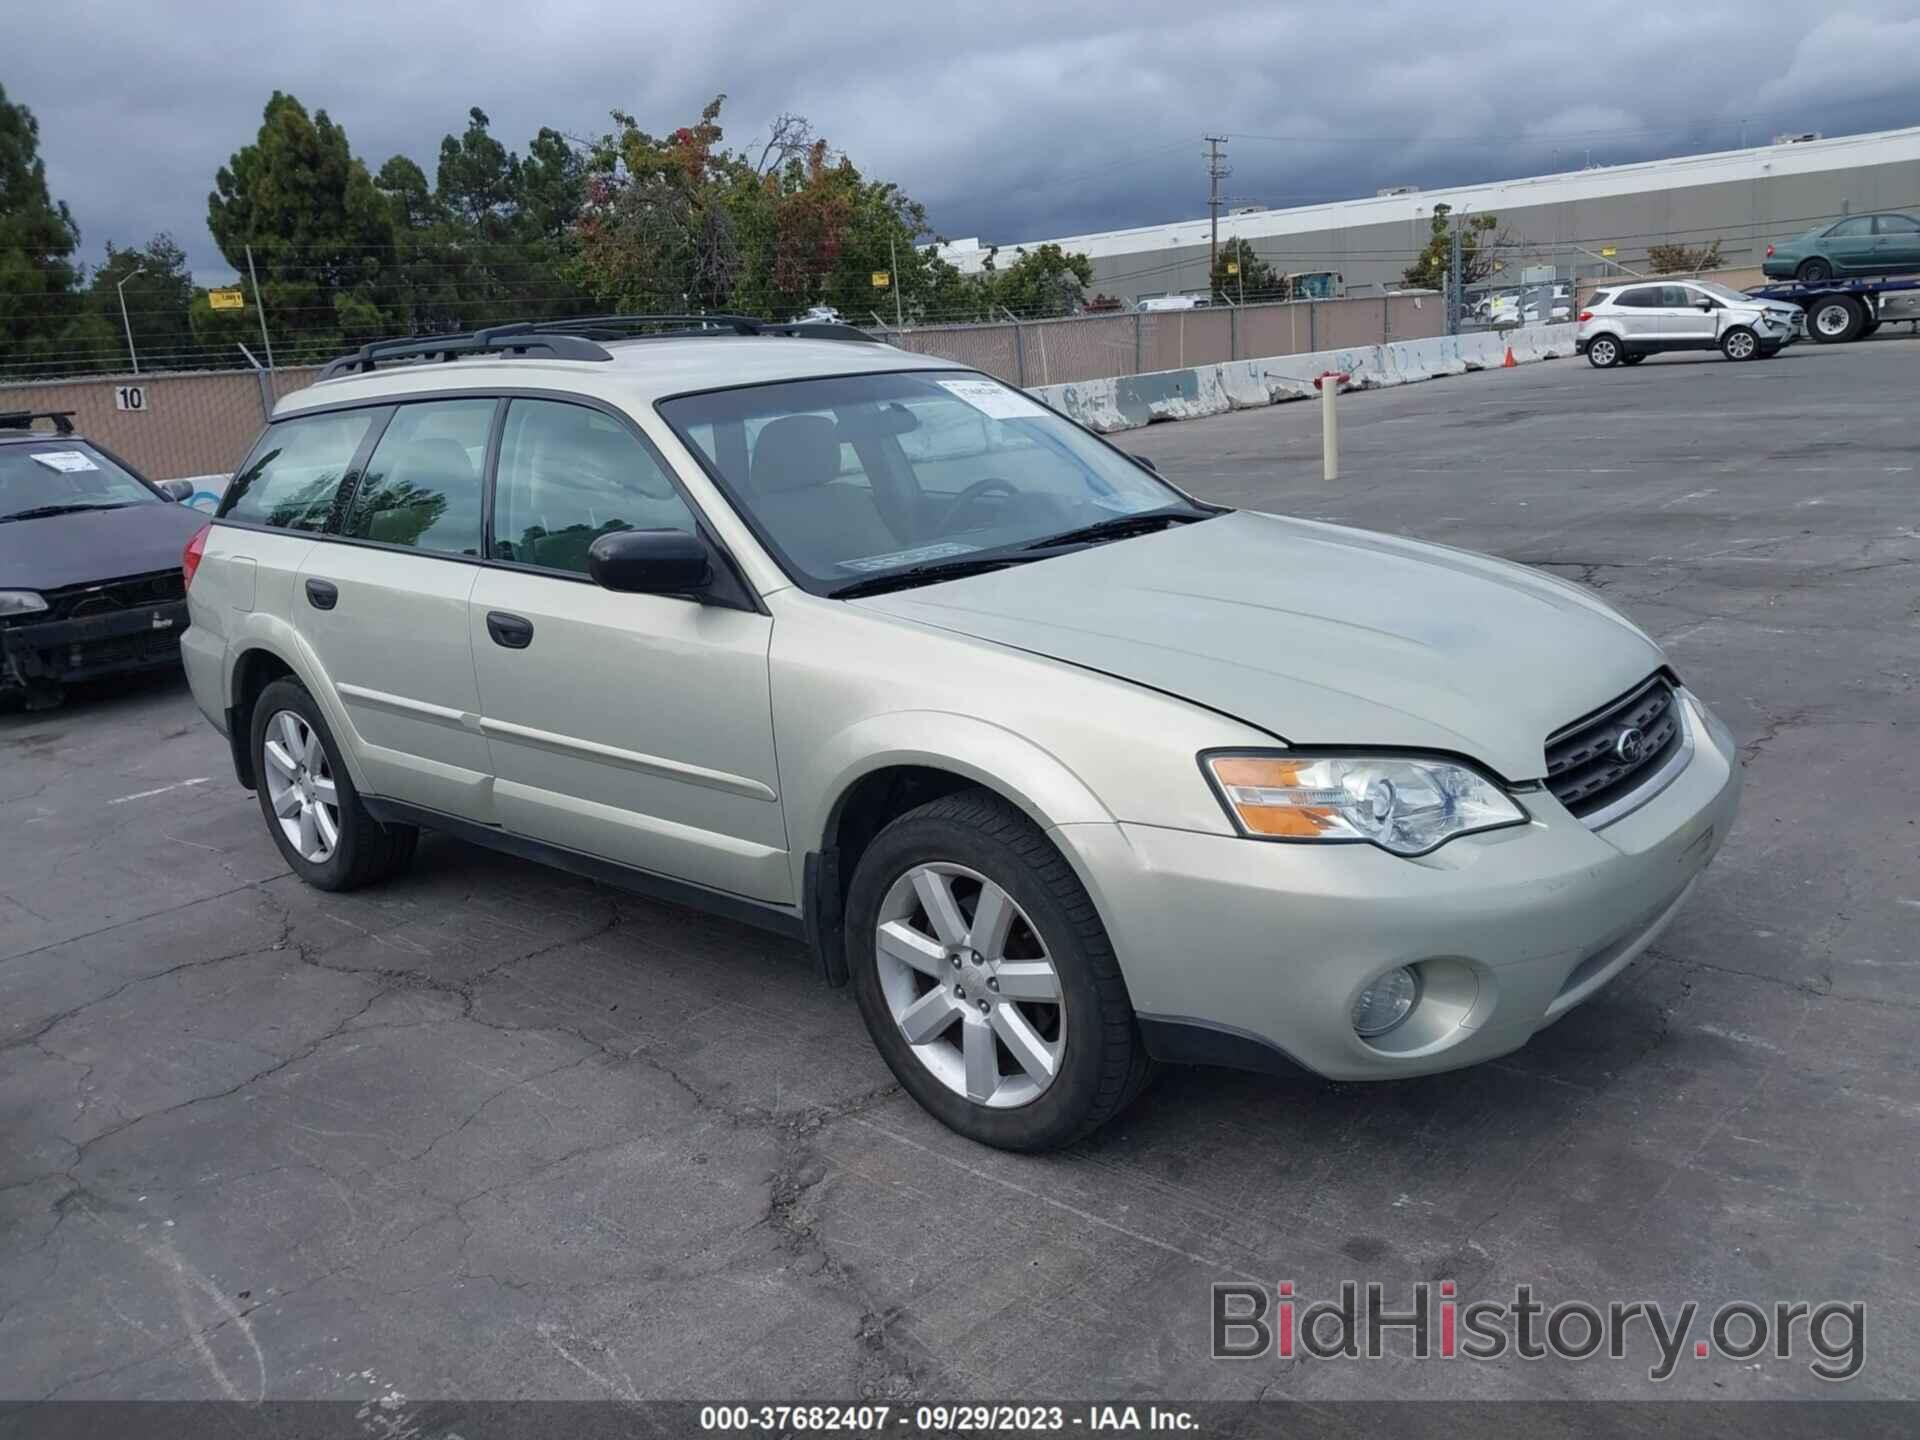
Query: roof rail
x=521, y=339
x=821, y=330
x=615, y=327
x=23, y=420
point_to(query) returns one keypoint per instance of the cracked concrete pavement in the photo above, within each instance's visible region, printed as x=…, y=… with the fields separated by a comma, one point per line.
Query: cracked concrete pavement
x=492, y=1131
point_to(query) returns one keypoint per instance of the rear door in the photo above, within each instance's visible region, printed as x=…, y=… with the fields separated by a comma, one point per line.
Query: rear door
x=1896, y=242
x=383, y=607
x=1639, y=314
x=1849, y=245
x=635, y=728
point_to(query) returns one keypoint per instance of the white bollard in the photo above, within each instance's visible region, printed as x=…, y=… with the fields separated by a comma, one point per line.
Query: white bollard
x=1329, y=384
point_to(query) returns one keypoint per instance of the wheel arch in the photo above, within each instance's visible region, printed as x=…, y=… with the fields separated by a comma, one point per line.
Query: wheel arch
x=881, y=768
x=269, y=649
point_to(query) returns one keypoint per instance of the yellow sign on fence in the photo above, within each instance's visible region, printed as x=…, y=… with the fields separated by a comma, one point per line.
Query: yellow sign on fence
x=227, y=299
x=881, y=279
x=1607, y=252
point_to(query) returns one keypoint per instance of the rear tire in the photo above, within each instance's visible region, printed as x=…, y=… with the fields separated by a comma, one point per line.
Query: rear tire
x=1836, y=319
x=1812, y=272
x=973, y=842
x=1740, y=343
x=336, y=844
x=1604, y=352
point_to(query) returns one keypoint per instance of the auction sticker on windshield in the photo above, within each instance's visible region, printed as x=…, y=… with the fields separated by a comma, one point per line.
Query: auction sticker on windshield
x=994, y=400
x=919, y=556
x=67, y=462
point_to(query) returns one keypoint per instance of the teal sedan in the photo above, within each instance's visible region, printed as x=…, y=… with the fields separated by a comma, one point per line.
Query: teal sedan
x=1856, y=245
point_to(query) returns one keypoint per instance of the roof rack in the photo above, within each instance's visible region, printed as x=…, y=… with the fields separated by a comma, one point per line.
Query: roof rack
x=521, y=339
x=23, y=420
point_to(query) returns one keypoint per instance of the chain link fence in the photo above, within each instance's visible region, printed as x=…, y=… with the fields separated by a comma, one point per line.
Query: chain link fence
x=193, y=423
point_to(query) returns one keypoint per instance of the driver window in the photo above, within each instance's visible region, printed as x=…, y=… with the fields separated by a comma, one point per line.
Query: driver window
x=1679, y=297
x=568, y=475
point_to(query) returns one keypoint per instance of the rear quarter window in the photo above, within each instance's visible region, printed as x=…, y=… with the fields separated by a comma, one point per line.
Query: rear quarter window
x=293, y=477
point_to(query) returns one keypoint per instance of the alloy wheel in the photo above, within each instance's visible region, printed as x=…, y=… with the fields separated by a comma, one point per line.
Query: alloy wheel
x=300, y=786
x=969, y=981
x=1740, y=346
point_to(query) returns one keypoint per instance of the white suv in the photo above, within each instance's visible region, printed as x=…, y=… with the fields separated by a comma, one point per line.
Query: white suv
x=1623, y=324
x=1064, y=770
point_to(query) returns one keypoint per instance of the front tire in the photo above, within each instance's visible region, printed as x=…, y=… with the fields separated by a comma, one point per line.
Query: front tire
x=312, y=810
x=986, y=979
x=1740, y=343
x=1604, y=352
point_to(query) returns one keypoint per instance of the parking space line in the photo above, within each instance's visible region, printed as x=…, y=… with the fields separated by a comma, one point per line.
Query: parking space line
x=164, y=789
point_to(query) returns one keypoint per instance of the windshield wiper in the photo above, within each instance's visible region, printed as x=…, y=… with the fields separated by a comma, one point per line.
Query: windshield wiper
x=928, y=574
x=42, y=512
x=1119, y=527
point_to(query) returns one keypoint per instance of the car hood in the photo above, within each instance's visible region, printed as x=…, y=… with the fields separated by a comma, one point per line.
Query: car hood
x=1318, y=634
x=94, y=545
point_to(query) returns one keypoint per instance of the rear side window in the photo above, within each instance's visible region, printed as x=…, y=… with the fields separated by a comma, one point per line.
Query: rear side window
x=1897, y=225
x=422, y=484
x=1647, y=297
x=293, y=476
x=1600, y=297
x=1854, y=228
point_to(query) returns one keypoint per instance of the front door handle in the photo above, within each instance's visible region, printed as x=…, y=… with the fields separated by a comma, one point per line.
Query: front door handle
x=322, y=594
x=509, y=630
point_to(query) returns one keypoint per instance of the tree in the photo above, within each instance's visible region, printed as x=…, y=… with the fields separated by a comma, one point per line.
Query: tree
x=1672, y=259
x=322, y=234
x=159, y=295
x=38, y=278
x=1044, y=282
x=1480, y=241
x=479, y=178
x=1240, y=274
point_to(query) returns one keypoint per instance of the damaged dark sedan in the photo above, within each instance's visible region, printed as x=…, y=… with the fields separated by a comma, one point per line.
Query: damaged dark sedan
x=90, y=582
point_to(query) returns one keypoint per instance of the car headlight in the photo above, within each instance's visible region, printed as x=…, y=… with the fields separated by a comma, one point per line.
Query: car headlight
x=1404, y=804
x=21, y=602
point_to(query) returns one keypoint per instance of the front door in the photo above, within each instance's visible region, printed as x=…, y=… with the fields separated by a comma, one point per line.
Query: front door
x=1684, y=323
x=384, y=608
x=1896, y=242
x=634, y=728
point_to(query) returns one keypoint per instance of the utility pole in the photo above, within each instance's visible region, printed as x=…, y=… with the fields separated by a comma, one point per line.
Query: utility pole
x=1454, y=306
x=1216, y=172
x=133, y=358
x=893, y=263
x=260, y=306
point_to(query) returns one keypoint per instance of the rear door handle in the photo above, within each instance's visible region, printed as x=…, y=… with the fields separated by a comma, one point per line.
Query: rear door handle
x=322, y=594
x=509, y=630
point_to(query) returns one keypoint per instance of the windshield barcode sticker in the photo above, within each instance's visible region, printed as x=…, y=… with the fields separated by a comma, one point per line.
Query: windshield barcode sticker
x=994, y=400
x=920, y=556
x=67, y=462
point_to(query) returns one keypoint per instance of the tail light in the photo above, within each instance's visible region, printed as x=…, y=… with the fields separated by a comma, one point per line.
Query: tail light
x=1769, y=252
x=190, y=557
x=1585, y=315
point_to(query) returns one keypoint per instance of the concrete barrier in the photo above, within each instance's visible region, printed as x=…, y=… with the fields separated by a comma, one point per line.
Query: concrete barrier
x=1130, y=401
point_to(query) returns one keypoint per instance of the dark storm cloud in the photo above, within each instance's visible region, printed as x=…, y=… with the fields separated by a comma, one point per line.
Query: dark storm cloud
x=1010, y=122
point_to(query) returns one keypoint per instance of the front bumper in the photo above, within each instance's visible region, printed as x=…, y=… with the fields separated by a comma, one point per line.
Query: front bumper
x=145, y=637
x=1253, y=954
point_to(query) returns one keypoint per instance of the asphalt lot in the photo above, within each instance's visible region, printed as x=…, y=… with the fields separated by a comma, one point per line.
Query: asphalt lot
x=494, y=1132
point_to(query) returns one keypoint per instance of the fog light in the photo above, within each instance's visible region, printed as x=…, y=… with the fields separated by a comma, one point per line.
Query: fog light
x=1385, y=1003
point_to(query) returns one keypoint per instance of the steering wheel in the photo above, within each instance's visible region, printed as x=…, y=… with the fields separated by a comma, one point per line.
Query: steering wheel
x=974, y=492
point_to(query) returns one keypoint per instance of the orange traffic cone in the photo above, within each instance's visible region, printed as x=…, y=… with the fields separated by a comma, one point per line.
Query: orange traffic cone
x=1509, y=362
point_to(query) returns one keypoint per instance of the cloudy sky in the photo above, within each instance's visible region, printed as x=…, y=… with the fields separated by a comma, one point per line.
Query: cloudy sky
x=1009, y=121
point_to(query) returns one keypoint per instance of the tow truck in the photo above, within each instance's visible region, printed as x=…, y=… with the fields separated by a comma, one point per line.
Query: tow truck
x=1840, y=310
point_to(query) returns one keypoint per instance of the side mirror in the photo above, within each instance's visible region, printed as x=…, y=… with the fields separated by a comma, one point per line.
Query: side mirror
x=650, y=562
x=178, y=491
x=1709, y=304
x=1146, y=460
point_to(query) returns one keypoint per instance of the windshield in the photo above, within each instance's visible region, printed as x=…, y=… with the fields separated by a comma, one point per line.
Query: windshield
x=64, y=475
x=1722, y=292
x=854, y=477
